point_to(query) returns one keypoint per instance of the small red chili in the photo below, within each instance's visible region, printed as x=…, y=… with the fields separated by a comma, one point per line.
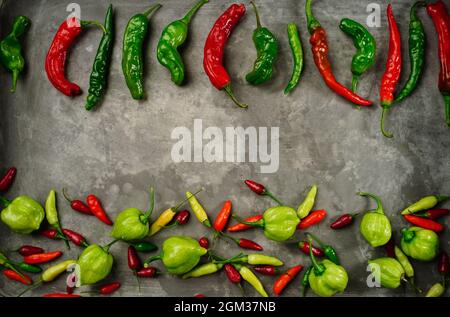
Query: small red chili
x=242, y=227
x=182, y=217
x=204, y=242
x=261, y=190
x=249, y=244
x=77, y=205
x=49, y=233
x=269, y=270
x=134, y=262
x=42, y=258
x=443, y=263
x=75, y=237
x=304, y=247
x=148, y=272
x=313, y=218
x=285, y=279
x=199, y=295
x=343, y=221
x=61, y=295
x=390, y=248
x=14, y=276
x=424, y=223
x=233, y=275
x=434, y=213
x=223, y=216
x=7, y=179
x=26, y=250
x=96, y=208
x=109, y=288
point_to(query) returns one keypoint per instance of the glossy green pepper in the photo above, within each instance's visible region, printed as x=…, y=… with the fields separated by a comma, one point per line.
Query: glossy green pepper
x=11, y=49
x=267, y=48
x=132, y=224
x=375, y=226
x=23, y=215
x=391, y=271
x=95, y=264
x=420, y=244
x=173, y=36
x=179, y=254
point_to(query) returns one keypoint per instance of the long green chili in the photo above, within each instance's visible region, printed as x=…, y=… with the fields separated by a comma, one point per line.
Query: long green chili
x=297, y=54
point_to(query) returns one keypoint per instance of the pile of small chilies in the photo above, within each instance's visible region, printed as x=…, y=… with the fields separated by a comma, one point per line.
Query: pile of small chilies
x=187, y=257
x=174, y=36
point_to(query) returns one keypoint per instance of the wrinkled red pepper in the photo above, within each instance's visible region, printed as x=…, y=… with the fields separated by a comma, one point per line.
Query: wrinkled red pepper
x=7, y=179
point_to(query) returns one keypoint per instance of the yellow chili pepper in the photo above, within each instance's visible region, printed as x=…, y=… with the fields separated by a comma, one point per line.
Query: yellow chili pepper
x=436, y=290
x=162, y=221
x=56, y=270
x=198, y=210
x=307, y=205
x=404, y=261
x=252, y=279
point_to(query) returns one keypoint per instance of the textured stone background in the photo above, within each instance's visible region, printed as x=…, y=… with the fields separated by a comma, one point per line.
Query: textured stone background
x=117, y=151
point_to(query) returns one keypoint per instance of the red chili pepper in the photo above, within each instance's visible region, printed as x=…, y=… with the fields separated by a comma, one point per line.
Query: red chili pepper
x=434, y=213
x=77, y=205
x=424, y=223
x=42, y=258
x=96, y=208
x=343, y=221
x=204, y=242
x=233, y=275
x=26, y=250
x=55, y=62
x=7, y=179
x=319, y=47
x=223, y=216
x=215, y=47
x=199, y=295
x=285, y=279
x=61, y=295
x=312, y=219
x=393, y=70
x=49, y=233
x=390, y=247
x=269, y=270
x=443, y=263
x=182, y=217
x=249, y=244
x=304, y=247
x=148, y=272
x=261, y=190
x=439, y=14
x=109, y=288
x=14, y=276
x=134, y=262
x=242, y=227
x=75, y=237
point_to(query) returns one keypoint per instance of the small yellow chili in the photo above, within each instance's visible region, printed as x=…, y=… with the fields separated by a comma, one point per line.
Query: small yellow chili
x=198, y=209
x=307, y=205
x=54, y=271
x=252, y=279
x=163, y=220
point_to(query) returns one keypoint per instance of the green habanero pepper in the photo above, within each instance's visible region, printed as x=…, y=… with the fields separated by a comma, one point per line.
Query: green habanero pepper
x=251, y=278
x=425, y=203
x=279, y=223
x=174, y=36
x=132, y=224
x=420, y=244
x=11, y=49
x=365, y=45
x=416, y=52
x=437, y=290
x=132, y=60
x=204, y=269
x=23, y=215
x=390, y=270
x=95, y=264
x=267, y=51
x=375, y=226
x=102, y=62
x=329, y=252
x=51, y=213
x=307, y=205
x=179, y=254
x=297, y=53
x=326, y=278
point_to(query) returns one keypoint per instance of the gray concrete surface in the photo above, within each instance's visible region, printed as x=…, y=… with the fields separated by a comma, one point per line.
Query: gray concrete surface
x=119, y=150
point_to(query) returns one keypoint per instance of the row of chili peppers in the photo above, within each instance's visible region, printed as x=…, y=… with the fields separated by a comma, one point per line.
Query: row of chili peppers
x=174, y=36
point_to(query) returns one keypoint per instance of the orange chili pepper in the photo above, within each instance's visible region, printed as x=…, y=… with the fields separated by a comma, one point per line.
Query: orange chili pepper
x=243, y=227
x=16, y=277
x=42, y=258
x=223, y=216
x=285, y=279
x=313, y=218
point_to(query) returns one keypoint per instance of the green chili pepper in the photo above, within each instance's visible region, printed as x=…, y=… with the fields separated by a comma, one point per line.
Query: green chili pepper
x=179, y=254
x=29, y=267
x=365, y=45
x=51, y=213
x=404, y=261
x=132, y=60
x=259, y=259
x=307, y=205
x=420, y=244
x=267, y=51
x=305, y=280
x=251, y=278
x=375, y=227
x=144, y=246
x=54, y=271
x=11, y=49
x=437, y=290
x=329, y=252
x=102, y=61
x=425, y=203
x=23, y=215
x=416, y=52
x=173, y=36
x=297, y=54
x=390, y=270
x=95, y=263
x=204, y=269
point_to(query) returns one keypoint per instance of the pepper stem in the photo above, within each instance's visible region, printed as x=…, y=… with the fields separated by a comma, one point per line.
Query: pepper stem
x=355, y=81
x=441, y=198
x=15, y=76
x=187, y=18
x=233, y=97
x=310, y=235
x=66, y=196
x=87, y=23
x=318, y=268
x=5, y=202
x=267, y=193
x=413, y=12
x=233, y=259
x=258, y=20
x=151, y=207
x=408, y=236
x=385, y=133
x=152, y=9
x=221, y=234
x=447, y=109
x=377, y=200
x=311, y=20
x=152, y=259
x=31, y=287
x=109, y=245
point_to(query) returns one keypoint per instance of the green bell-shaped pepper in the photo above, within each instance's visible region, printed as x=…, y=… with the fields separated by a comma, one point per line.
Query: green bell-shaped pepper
x=179, y=254
x=420, y=244
x=375, y=227
x=23, y=215
x=132, y=224
x=391, y=271
x=95, y=264
x=280, y=223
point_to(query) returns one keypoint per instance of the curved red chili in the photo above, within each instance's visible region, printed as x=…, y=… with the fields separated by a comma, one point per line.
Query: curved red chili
x=75, y=237
x=42, y=258
x=233, y=275
x=7, y=179
x=313, y=218
x=77, y=205
x=393, y=70
x=97, y=210
x=215, y=47
x=343, y=221
x=14, y=276
x=223, y=216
